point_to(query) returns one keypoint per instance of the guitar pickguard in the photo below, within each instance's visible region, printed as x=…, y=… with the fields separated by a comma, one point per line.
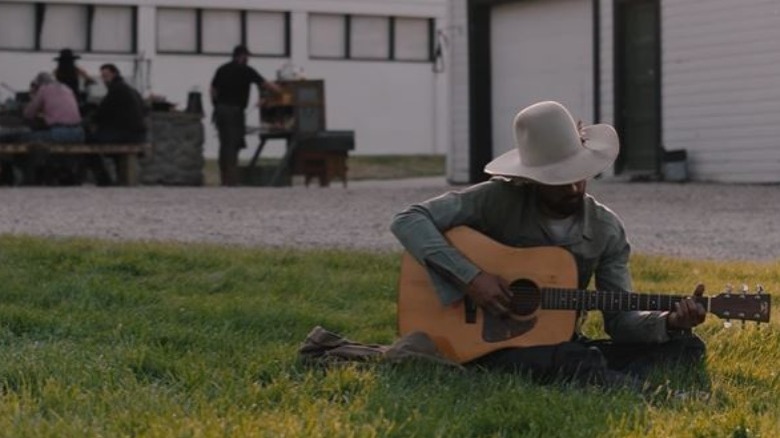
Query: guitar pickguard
x=496, y=329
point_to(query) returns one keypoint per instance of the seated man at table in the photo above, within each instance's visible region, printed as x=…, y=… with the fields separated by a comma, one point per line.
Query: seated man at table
x=53, y=113
x=53, y=117
x=119, y=119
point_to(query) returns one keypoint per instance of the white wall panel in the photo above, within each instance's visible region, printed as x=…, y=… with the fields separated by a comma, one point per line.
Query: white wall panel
x=540, y=50
x=458, y=156
x=606, y=59
x=721, y=87
x=17, y=26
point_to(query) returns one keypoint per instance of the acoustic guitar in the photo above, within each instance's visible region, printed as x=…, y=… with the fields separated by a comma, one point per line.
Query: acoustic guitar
x=545, y=300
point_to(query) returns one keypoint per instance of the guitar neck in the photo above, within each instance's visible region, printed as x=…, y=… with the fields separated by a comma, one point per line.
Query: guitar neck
x=577, y=299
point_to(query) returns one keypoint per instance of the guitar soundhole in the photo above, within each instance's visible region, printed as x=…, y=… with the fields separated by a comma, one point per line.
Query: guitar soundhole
x=526, y=297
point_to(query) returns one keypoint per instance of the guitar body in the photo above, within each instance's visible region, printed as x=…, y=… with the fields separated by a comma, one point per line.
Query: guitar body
x=419, y=307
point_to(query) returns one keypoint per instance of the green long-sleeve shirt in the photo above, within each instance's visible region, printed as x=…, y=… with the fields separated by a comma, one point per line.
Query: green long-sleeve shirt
x=508, y=213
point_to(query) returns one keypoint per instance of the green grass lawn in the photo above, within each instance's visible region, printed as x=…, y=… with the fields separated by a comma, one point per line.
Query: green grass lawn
x=162, y=340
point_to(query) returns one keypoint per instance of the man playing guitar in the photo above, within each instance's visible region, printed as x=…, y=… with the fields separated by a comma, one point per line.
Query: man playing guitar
x=537, y=197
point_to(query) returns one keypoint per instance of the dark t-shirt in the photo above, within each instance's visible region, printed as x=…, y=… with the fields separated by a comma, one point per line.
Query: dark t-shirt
x=232, y=81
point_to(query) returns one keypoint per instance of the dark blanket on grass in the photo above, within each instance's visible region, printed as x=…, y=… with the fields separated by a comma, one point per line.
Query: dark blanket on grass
x=325, y=346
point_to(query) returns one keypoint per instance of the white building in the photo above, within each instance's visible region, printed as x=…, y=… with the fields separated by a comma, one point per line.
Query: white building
x=697, y=75
x=377, y=57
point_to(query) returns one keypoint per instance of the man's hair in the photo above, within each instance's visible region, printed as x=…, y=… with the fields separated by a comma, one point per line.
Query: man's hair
x=43, y=78
x=112, y=68
x=240, y=50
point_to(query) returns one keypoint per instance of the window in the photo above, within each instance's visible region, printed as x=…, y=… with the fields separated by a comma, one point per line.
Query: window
x=80, y=27
x=327, y=36
x=221, y=31
x=370, y=37
x=412, y=39
x=113, y=29
x=17, y=26
x=177, y=30
x=217, y=32
x=64, y=26
x=266, y=33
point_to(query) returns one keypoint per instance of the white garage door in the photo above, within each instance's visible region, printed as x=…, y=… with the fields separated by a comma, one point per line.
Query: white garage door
x=540, y=50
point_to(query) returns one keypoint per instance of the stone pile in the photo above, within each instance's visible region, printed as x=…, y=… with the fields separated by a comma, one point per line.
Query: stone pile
x=177, y=153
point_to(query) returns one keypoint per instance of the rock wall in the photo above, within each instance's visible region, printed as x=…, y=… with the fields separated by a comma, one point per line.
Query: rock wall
x=177, y=150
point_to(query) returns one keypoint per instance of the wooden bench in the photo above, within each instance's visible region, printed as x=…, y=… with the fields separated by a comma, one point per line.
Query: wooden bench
x=126, y=154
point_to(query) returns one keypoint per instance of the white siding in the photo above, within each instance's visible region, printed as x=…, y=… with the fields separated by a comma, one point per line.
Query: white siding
x=607, y=63
x=458, y=157
x=540, y=50
x=721, y=87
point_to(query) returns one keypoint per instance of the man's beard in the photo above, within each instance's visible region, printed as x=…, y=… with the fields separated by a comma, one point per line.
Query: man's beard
x=566, y=206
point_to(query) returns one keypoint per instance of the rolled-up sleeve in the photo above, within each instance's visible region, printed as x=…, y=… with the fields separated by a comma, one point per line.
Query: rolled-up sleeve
x=419, y=229
x=612, y=274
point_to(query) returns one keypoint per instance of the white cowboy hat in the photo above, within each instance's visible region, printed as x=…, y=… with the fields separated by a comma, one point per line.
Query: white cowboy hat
x=550, y=149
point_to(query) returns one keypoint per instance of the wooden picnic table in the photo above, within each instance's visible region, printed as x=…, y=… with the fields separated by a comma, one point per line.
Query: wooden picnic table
x=126, y=154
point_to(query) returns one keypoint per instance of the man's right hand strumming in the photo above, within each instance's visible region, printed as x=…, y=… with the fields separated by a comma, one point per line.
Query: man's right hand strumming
x=492, y=293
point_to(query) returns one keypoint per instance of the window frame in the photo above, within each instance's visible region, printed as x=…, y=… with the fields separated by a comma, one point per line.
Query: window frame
x=40, y=14
x=243, y=14
x=391, y=40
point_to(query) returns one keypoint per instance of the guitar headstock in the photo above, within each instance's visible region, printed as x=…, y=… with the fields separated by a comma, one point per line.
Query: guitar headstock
x=742, y=305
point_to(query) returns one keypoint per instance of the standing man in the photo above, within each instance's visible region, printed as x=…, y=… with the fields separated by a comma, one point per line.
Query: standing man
x=230, y=95
x=538, y=198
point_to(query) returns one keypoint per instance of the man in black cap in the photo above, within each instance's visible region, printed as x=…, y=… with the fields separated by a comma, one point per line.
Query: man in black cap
x=230, y=95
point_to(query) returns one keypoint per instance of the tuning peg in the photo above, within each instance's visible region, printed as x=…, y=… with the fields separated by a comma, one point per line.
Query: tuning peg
x=759, y=289
x=729, y=288
x=727, y=324
x=743, y=324
x=745, y=289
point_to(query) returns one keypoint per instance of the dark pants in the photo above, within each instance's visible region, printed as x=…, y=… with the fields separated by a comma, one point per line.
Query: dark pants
x=599, y=361
x=96, y=163
x=38, y=167
x=230, y=123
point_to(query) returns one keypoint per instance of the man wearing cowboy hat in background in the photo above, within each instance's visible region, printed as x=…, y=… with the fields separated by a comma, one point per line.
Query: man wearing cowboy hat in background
x=538, y=198
x=68, y=73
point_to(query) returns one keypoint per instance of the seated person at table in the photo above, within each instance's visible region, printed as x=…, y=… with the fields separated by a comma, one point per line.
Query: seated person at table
x=120, y=115
x=119, y=119
x=53, y=117
x=53, y=113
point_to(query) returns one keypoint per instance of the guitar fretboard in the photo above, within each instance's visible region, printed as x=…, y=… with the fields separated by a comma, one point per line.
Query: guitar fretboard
x=577, y=299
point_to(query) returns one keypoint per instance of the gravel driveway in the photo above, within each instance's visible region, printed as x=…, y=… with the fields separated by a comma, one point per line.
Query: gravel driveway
x=690, y=220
